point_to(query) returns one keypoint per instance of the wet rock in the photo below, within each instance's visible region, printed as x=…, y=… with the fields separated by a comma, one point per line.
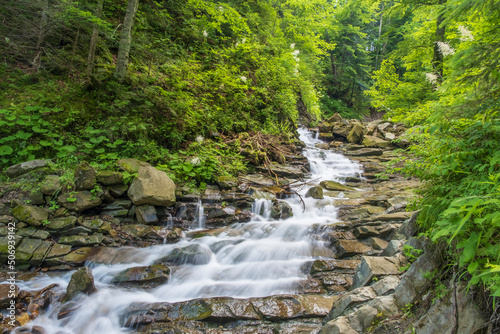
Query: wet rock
x=227, y=182
x=152, y=187
x=82, y=281
x=281, y=210
x=5, y=291
x=322, y=146
x=79, y=201
x=82, y=240
x=143, y=276
x=38, y=330
x=146, y=214
x=131, y=165
x=349, y=300
x=191, y=254
x=332, y=185
x=63, y=223
x=442, y=316
x=414, y=281
x=315, y=192
x=334, y=265
x=74, y=258
x=374, y=266
x=25, y=167
x=109, y=178
x=278, y=307
x=334, y=282
x=345, y=248
x=356, y=134
x=58, y=250
x=371, y=141
x=139, y=231
x=31, y=215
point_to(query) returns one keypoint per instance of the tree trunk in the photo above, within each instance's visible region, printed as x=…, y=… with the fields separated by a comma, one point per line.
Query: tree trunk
x=437, y=59
x=37, y=60
x=93, y=41
x=125, y=40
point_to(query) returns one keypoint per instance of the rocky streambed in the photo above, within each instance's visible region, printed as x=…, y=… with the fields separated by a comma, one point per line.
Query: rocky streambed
x=239, y=258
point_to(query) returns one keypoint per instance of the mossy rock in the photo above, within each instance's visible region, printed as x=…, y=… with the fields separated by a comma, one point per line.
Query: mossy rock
x=50, y=185
x=131, y=165
x=227, y=182
x=332, y=185
x=110, y=178
x=31, y=215
x=82, y=281
x=85, y=176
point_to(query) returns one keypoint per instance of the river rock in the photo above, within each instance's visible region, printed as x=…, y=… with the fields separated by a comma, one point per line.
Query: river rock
x=5, y=290
x=152, y=187
x=374, y=266
x=191, y=254
x=371, y=141
x=147, y=275
x=146, y=214
x=281, y=210
x=332, y=185
x=25, y=167
x=74, y=258
x=315, y=192
x=79, y=201
x=85, y=176
x=82, y=281
x=345, y=248
x=109, y=178
x=356, y=134
x=140, y=231
x=31, y=215
x=62, y=223
x=50, y=185
x=131, y=165
x=82, y=240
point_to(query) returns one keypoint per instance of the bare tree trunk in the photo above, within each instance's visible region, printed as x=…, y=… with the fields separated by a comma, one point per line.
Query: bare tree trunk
x=379, y=45
x=125, y=40
x=37, y=60
x=93, y=41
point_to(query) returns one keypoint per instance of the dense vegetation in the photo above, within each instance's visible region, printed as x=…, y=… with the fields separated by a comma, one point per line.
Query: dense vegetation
x=198, y=69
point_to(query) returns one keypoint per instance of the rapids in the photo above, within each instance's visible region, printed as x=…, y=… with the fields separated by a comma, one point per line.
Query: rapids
x=261, y=258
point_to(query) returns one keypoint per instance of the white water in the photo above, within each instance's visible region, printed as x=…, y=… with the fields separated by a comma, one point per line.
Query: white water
x=255, y=259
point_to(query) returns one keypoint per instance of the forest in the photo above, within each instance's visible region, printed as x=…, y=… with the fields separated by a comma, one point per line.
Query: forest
x=166, y=81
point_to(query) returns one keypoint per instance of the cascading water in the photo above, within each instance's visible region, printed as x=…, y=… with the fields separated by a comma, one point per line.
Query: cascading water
x=260, y=258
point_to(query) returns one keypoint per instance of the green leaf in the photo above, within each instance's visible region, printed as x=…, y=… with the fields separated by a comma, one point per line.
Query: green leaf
x=45, y=143
x=37, y=129
x=6, y=150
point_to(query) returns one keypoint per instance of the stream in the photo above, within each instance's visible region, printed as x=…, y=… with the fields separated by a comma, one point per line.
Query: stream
x=261, y=258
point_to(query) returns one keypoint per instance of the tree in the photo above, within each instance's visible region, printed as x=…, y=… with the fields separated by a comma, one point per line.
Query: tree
x=93, y=40
x=126, y=40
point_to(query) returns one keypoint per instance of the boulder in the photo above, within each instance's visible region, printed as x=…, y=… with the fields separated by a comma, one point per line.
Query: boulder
x=152, y=187
x=50, y=185
x=118, y=190
x=82, y=281
x=31, y=215
x=339, y=325
x=389, y=136
x=25, y=167
x=110, y=178
x=371, y=141
x=5, y=290
x=85, y=176
x=386, y=285
x=334, y=118
x=191, y=254
x=281, y=210
x=332, y=185
x=79, y=201
x=131, y=165
x=143, y=276
x=315, y=192
x=349, y=300
x=374, y=266
x=356, y=134
x=146, y=214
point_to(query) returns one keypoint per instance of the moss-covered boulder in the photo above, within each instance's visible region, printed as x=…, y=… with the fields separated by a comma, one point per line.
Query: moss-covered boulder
x=281, y=210
x=85, y=176
x=146, y=275
x=315, y=192
x=50, y=185
x=356, y=134
x=31, y=215
x=79, y=201
x=82, y=281
x=63, y=223
x=25, y=167
x=131, y=165
x=371, y=141
x=227, y=182
x=110, y=178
